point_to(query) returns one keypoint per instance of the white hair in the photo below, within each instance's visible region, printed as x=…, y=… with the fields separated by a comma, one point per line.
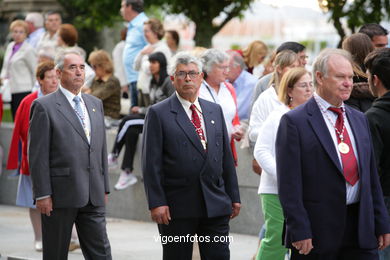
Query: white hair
x=183, y=58
x=35, y=18
x=59, y=59
x=212, y=57
x=321, y=62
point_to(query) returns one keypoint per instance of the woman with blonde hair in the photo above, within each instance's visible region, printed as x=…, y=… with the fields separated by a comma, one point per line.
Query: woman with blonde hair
x=295, y=88
x=19, y=64
x=254, y=56
x=105, y=85
x=268, y=100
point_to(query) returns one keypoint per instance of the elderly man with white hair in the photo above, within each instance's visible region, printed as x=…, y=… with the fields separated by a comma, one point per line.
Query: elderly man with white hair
x=35, y=27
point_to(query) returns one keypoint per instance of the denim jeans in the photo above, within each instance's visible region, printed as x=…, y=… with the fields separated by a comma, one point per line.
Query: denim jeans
x=133, y=93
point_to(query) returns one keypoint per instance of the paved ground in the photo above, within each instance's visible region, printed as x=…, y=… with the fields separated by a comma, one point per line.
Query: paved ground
x=130, y=240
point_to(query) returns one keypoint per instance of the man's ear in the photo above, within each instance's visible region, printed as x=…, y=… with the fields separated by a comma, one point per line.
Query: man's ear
x=172, y=78
x=58, y=71
x=377, y=82
x=319, y=77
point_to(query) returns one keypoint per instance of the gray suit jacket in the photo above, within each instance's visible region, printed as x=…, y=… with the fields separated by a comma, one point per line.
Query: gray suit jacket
x=62, y=162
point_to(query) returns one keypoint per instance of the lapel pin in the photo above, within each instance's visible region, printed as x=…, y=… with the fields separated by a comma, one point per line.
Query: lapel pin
x=93, y=110
x=212, y=121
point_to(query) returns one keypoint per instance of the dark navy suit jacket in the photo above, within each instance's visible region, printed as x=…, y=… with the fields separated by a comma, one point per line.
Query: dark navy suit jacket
x=311, y=184
x=178, y=172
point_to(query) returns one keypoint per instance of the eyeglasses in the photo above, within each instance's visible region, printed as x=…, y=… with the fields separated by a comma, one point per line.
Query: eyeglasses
x=183, y=74
x=308, y=85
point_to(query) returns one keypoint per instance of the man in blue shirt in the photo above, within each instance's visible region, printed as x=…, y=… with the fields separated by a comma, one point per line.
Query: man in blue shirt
x=132, y=11
x=243, y=82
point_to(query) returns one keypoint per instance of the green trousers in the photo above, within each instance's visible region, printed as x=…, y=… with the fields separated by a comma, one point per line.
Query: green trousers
x=271, y=247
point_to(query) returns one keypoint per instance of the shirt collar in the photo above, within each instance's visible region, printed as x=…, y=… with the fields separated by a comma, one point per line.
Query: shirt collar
x=186, y=104
x=138, y=20
x=69, y=95
x=239, y=79
x=40, y=93
x=325, y=104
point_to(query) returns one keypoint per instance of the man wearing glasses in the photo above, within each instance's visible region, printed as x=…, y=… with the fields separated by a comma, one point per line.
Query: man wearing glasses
x=189, y=174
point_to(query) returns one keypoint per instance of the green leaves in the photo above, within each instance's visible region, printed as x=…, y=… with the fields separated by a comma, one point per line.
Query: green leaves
x=91, y=14
x=357, y=13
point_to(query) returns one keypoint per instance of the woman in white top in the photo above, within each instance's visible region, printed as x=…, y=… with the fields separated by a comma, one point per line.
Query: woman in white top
x=268, y=100
x=153, y=32
x=295, y=88
x=20, y=61
x=215, y=89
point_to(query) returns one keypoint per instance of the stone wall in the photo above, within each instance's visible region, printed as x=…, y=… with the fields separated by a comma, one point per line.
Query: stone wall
x=131, y=203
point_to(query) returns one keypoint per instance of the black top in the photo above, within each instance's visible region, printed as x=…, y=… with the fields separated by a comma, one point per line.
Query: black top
x=378, y=116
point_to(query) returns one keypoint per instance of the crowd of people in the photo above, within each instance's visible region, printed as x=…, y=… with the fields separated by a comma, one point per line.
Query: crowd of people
x=324, y=186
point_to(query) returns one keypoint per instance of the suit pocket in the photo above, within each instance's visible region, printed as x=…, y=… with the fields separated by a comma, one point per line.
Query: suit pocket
x=220, y=182
x=59, y=172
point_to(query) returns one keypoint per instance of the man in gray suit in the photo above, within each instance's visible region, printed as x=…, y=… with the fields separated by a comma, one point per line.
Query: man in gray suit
x=68, y=164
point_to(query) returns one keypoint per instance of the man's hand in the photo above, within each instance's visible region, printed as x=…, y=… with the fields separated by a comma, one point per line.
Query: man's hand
x=45, y=206
x=383, y=241
x=105, y=198
x=236, y=209
x=237, y=134
x=304, y=246
x=161, y=215
x=134, y=110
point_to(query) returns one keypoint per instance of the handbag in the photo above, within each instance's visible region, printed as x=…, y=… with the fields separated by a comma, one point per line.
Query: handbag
x=5, y=91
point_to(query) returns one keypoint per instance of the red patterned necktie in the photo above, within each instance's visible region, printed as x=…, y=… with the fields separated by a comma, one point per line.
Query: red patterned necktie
x=350, y=166
x=198, y=126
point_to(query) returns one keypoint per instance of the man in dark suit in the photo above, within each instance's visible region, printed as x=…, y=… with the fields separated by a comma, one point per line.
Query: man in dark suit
x=67, y=155
x=327, y=178
x=188, y=168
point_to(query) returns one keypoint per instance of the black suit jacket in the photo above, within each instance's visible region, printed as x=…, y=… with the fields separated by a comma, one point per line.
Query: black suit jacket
x=311, y=183
x=176, y=169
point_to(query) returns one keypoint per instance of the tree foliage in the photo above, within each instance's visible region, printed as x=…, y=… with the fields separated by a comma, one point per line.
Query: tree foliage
x=91, y=14
x=357, y=13
x=90, y=17
x=203, y=12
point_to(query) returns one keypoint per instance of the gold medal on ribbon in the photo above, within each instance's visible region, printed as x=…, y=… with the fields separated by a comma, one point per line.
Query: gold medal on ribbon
x=343, y=148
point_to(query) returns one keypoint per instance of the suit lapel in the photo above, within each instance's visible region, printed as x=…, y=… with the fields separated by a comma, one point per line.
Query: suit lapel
x=210, y=127
x=320, y=128
x=185, y=124
x=93, y=116
x=67, y=111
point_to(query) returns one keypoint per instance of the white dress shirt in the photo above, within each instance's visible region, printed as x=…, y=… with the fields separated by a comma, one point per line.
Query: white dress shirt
x=353, y=192
x=186, y=106
x=224, y=98
x=87, y=122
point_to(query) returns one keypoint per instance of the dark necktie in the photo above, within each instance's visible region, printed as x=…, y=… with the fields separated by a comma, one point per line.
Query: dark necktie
x=350, y=166
x=198, y=126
